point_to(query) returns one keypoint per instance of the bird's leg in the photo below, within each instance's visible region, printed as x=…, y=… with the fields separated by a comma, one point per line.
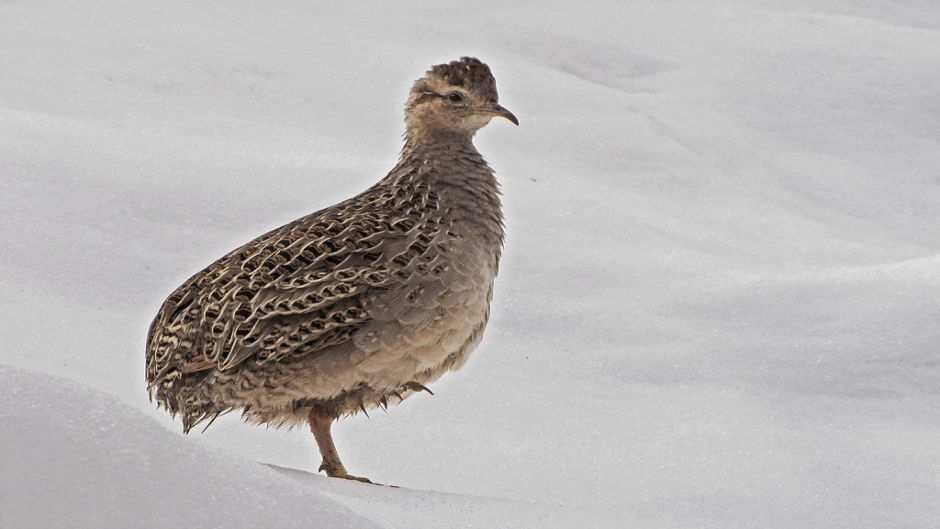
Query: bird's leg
x=320, y=426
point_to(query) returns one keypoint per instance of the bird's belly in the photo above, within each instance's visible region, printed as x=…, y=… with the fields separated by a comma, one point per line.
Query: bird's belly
x=421, y=351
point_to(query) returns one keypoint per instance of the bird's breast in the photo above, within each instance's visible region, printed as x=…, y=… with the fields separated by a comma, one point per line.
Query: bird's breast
x=429, y=325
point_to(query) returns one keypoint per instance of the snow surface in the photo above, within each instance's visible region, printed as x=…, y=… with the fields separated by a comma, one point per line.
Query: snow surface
x=719, y=304
x=93, y=461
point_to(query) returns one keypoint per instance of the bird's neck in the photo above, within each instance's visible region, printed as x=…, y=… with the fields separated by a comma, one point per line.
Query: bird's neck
x=449, y=155
x=436, y=141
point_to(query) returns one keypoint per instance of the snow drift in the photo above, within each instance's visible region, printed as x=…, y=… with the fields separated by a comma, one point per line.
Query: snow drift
x=718, y=305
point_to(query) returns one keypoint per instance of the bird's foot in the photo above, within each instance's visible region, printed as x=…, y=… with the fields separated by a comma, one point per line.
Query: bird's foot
x=338, y=471
x=354, y=478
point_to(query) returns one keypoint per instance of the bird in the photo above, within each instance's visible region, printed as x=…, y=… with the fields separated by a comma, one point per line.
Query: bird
x=358, y=305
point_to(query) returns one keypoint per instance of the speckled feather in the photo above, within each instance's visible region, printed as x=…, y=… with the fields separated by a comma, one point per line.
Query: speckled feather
x=351, y=307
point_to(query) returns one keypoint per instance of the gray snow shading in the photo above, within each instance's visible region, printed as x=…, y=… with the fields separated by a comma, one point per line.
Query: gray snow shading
x=719, y=304
x=77, y=458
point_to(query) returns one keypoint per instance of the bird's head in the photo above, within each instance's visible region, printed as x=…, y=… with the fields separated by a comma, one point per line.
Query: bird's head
x=455, y=98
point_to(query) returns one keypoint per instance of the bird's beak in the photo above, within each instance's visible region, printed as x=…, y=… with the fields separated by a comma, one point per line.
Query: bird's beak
x=499, y=110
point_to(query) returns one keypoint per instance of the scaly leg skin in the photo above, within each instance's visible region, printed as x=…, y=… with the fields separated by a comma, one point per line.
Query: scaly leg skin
x=320, y=426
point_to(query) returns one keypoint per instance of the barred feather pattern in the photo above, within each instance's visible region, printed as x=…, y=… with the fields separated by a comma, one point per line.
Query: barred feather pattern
x=351, y=307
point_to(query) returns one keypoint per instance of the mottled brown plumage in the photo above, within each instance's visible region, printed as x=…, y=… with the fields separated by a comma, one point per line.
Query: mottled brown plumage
x=357, y=305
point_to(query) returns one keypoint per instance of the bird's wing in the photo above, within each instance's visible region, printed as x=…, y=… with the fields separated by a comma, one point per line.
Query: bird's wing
x=305, y=286
x=295, y=290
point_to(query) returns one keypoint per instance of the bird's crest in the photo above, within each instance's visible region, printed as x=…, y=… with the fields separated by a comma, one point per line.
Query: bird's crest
x=470, y=73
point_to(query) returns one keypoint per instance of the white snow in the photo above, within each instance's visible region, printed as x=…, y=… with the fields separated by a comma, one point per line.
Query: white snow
x=719, y=304
x=75, y=457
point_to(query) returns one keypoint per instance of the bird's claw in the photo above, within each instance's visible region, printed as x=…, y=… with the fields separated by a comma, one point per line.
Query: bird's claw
x=355, y=478
x=416, y=387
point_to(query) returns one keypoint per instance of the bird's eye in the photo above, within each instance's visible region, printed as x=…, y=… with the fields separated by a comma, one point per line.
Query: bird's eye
x=455, y=97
